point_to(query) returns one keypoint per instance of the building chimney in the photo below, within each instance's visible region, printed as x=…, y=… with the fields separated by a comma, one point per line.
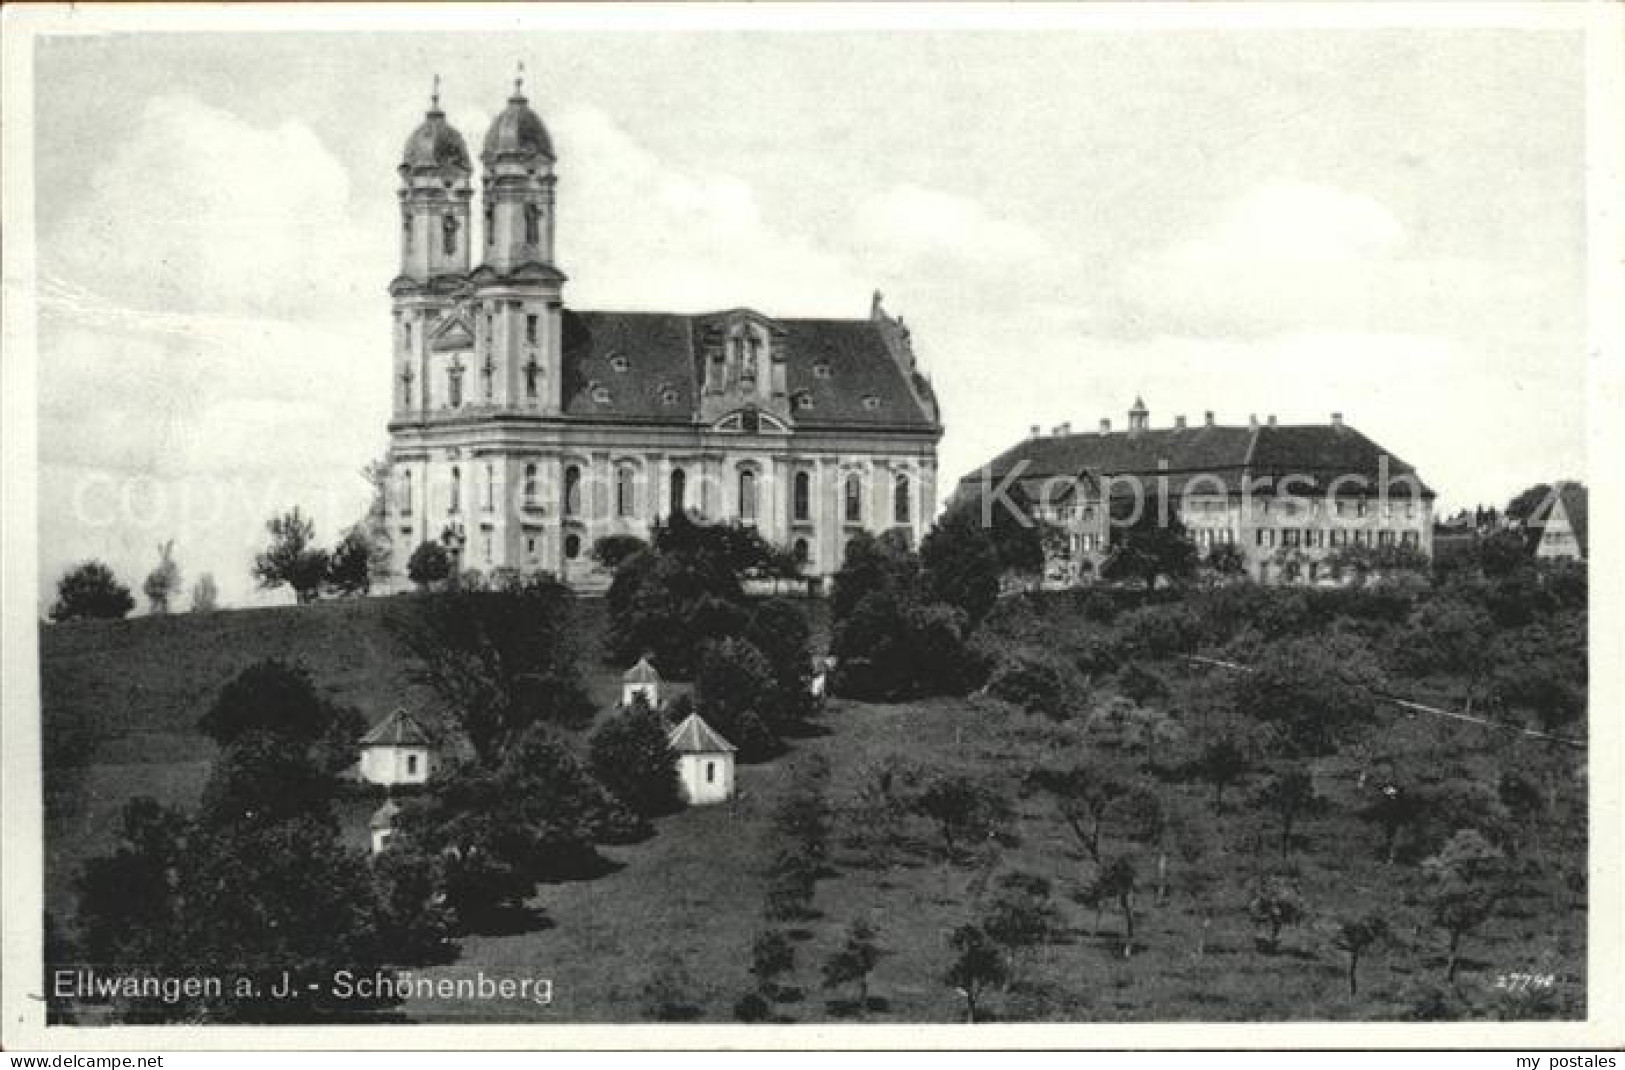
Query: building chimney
x=1034, y=433
x=1062, y=429
x=1105, y=427
x=1272, y=419
x=1252, y=421
x=1179, y=423
x=1207, y=418
x=1337, y=420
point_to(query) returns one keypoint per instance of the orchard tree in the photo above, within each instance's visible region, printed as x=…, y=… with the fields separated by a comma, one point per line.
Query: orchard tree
x=1277, y=905
x=1090, y=795
x=90, y=591
x=1289, y=795
x=1117, y=882
x=772, y=956
x=1021, y=915
x=1466, y=879
x=429, y=564
x=964, y=809
x=205, y=595
x=978, y=964
x=1354, y=938
x=1224, y=756
x=164, y=581
x=1312, y=694
x=292, y=558
x=854, y=961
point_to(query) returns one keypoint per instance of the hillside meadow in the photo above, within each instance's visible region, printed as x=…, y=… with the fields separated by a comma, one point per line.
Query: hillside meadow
x=667, y=931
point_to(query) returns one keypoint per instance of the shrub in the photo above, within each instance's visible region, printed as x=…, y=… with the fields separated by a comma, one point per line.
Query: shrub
x=1039, y=684
x=1161, y=631
x=629, y=754
x=91, y=592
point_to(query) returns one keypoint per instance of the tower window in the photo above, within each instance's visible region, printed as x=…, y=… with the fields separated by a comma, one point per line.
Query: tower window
x=854, y=499
x=802, y=551
x=406, y=231
x=454, y=383
x=901, y=503
x=406, y=493
x=801, y=496
x=530, y=484
x=530, y=329
x=406, y=386
x=490, y=488
x=448, y=229
x=456, y=503
x=572, y=491
x=490, y=226
x=406, y=335
x=747, y=495
x=533, y=224
x=679, y=489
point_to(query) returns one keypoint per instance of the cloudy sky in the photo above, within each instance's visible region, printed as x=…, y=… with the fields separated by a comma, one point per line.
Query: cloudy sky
x=1386, y=223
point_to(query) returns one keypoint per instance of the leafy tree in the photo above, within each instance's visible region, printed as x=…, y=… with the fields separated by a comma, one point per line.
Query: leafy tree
x=1393, y=809
x=205, y=595
x=429, y=564
x=873, y=564
x=413, y=920
x=1444, y=635
x=1466, y=888
x=90, y=591
x=1312, y=693
x=500, y=661
x=736, y=693
x=1148, y=544
x=292, y=558
x=164, y=581
x=792, y=878
x=772, y=956
x=1289, y=795
x=963, y=809
x=1277, y=906
x=1224, y=756
x=1224, y=560
x=978, y=964
x=1543, y=669
x=269, y=697
x=349, y=568
x=1021, y=914
x=631, y=755
x=1039, y=683
x=1354, y=937
x=1526, y=502
x=610, y=551
x=1089, y=796
x=1117, y=882
x=779, y=629
x=1501, y=553
x=854, y=961
x=667, y=994
x=960, y=564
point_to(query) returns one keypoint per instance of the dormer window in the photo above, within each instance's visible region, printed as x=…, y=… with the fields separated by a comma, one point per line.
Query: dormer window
x=668, y=396
x=871, y=402
x=803, y=400
x=600, y=394
x=619, y=362
x=821, y=370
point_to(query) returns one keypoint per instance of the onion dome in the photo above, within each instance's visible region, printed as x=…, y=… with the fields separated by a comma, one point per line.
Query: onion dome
x=517, y=131
x=435, y=143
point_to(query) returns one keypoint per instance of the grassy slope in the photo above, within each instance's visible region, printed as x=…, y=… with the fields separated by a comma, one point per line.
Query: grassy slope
x=128, y=694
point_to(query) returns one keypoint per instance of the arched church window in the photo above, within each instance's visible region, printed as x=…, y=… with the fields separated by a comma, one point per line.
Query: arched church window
x=901, y=502
x=801, y=496
x=456, y=502
x=572, y=491
x=679, y=490
x=530, y=484
x=626, y=494
x=490, y=225
x=406, y=335
x=533, y=224
x=448, y=230
x=488, y=377
x=531, y=323
x=490, y=488
x=572, y=546
x=854, y=499
x=406, y=386
x=454, y=383
x=406, y=231
x=406, y=492
x=802, y=551
x=747, y=494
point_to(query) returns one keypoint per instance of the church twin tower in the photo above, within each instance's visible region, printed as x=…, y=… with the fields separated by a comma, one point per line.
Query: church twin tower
x=523, y=431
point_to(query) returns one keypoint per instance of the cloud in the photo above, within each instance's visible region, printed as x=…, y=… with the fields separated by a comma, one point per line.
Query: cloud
x=1285, y=256
x=917, y=223
x=196, y=210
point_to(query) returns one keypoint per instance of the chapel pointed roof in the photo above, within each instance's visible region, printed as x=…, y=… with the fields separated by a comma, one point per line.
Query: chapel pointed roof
x=399, y=729
x=694, y=736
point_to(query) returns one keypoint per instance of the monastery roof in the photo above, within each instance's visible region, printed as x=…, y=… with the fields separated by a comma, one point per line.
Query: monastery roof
x=399, y=729
x=648, y=365
x=641, y=673
x=694, y=736
x=1315, y=453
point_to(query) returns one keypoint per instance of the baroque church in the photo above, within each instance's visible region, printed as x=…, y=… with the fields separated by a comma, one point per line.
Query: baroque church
x=524, y=430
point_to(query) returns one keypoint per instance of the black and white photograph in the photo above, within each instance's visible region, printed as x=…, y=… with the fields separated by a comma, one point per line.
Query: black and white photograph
x=743, y=519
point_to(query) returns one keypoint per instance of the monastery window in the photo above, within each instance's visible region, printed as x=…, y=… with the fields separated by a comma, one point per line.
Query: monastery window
x=1359, y=508
x=679, y=490
x=801, y=551
x=448, y=230
x=1385, y=538
x=532, y=323
x=572, y=491
x=626, y=493
x=1291, y=537
x=747, y=495
x=854, y=499
x=488, y=378
x=1410, y=510
x=801, y=497
x=530, y=545
x=530, y=484
x=1265, y=537
x=533, y=224
x=572, y=546
x=901, y=503
x=1410, y=538
x=456, y=503
x=406, y=493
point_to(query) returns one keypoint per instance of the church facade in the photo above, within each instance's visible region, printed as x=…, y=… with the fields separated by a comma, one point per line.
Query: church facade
x=524, y=430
